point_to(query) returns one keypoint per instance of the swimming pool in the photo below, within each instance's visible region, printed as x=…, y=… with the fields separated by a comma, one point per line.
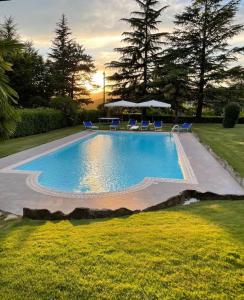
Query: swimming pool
x=107, y=162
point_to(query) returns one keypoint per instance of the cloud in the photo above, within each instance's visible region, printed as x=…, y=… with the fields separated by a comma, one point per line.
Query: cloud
x=95, y=23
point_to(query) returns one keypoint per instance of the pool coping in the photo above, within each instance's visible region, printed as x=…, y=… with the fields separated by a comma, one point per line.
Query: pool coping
x=32, y=178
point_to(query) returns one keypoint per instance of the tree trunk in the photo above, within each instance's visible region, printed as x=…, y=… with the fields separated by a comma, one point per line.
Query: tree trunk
x=176, y=106
x=176, y=116
x=200, y=99
x=72, y=88
x=145, y=75
x=202, y=82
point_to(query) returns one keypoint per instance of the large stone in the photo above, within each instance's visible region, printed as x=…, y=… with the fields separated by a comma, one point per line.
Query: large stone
x=42, y=214
x=76, y=214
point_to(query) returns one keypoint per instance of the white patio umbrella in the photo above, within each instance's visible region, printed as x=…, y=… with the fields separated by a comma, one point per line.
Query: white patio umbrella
x=121, y=103
x=153, y=103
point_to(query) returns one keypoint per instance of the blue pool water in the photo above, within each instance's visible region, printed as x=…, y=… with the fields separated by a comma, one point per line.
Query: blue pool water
x=108, y=162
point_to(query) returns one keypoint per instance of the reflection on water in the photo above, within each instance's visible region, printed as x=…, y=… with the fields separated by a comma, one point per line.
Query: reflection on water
x=97, y=156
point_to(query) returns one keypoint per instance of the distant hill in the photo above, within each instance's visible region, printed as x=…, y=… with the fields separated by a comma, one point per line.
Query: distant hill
x=97, y=98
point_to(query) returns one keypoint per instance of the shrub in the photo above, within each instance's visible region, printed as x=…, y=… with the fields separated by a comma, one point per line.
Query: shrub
x=232, y=113
x=34, y=121
x=68, y=107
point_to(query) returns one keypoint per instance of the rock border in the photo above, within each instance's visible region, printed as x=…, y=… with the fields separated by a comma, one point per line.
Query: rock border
x=76, y=214
x=89, y=214
x=223, y=162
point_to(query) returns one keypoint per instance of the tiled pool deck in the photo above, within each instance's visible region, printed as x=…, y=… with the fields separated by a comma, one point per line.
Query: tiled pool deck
x=15, y=193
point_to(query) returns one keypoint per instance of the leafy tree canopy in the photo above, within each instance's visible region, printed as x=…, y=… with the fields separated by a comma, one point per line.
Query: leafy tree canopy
x=201, y=41
x=133, y=76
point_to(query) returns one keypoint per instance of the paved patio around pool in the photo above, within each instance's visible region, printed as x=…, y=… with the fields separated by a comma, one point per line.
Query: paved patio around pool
x=15, y=194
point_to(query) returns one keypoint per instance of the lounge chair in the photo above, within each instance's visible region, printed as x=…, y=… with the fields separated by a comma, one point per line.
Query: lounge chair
x=144, y=125
x=115, y=125
x=186, y=127
x=181, y=128
x=89, y=125
x=131, y=123
x=158, y=125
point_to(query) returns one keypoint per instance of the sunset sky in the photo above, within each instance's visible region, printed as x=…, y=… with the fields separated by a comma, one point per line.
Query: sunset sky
x=94, y=23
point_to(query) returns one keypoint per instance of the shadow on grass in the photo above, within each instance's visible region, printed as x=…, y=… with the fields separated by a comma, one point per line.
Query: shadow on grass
x=92, y=221
x=228, y=215
x=26, y=226
x=21, y=228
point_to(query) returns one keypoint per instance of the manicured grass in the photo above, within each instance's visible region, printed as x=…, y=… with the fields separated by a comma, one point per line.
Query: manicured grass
x=228, y=144
x=193, y=252
x=12, y=146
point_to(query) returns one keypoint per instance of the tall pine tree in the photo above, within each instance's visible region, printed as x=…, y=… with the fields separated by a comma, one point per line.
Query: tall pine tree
x=171, y=83
x=28, y=68
x=201, y=41
x=8, y=29
x=60, y=56
x=71, y=66
x=82, y=70
x=133, y=76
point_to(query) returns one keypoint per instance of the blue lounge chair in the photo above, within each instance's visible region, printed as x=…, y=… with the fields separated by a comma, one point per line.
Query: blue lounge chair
x=115, y=125
x=158, y=125
x=186, y=127
x=144, y=125
x=131, y=123
x=89, y=125
x=181, y=128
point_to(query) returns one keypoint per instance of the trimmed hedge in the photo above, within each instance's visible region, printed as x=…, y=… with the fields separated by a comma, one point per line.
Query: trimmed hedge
x=182, y=119
x=34, y=121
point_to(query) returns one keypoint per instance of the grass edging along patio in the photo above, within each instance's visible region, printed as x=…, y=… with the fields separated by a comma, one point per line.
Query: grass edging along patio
x=86, y=213
x=223, y=162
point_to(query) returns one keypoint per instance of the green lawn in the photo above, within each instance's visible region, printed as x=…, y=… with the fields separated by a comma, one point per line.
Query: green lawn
x=228, y=144
x=12, y=146
x=193, y=252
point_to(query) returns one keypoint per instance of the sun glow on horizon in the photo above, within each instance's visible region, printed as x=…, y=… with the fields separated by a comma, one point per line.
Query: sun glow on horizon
x=97, y=82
